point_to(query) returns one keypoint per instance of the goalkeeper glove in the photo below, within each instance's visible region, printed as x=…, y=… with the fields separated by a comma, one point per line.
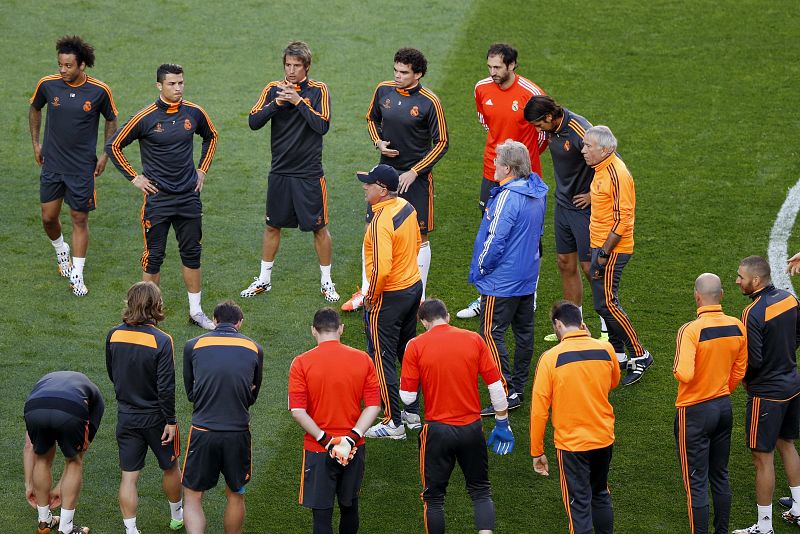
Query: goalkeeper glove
x=501, y=440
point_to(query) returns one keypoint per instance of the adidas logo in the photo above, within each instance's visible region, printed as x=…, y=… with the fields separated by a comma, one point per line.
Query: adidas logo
x=489, y=102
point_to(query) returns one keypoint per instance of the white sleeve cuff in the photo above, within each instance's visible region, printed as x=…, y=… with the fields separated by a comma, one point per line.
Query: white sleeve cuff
x=498, y=395
x=408, y=396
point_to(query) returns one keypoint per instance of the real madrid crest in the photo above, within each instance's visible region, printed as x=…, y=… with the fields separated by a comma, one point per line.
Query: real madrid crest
x=87, y=106
x=387, y=103
x=515, y=106
x=187, y=124
x=414, y=111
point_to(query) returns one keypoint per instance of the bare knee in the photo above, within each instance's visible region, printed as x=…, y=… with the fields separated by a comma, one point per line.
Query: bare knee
x=80, y=219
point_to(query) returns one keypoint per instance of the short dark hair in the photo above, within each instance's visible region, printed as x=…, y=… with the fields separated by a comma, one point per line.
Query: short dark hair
x=540, y=105
x=72, y=44
x=757, y=266
x=506, y=51
x=143, y=304
x=432, y=309
x=326, y=320
x=412, y=57
x=566, y=312
x=167, y=68
x=228, y=312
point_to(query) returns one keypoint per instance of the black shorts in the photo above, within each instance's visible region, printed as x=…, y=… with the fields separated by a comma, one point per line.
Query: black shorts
x=767, y=420
x=184, y=212
x=77, y=191
x=210, y=453
x=420, y=195
x=572, y=232
x=134, y=442
x=293, y=202
x=322, y=479
x=486, y=188
x=48, y=426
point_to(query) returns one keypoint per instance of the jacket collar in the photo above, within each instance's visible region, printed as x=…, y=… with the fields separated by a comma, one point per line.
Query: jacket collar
x=169, y=108
x=711, y=308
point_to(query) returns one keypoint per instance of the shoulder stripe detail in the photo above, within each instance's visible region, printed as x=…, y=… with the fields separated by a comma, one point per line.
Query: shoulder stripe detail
x=115, y=148
x=261, y=99
x=779, y=308
x=748, y=309
x=501, y=201
x=440, y=147
x=41, y=81
x=212, y=147
x=220, y=341
x=107, y=89
x=529, y=85
x=371, y=127
x=577, y=128
x=615, y=192
x=324, y=100
x=134, y=338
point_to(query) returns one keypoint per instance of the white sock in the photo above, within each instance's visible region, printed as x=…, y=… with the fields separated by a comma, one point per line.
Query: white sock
x=424, y=263
x=603, y=327
x=266, y=271
x=130, y=525
x=59, y=244
x=364, y=282
x=622, y=357
x=65, y=524
x=765, y=517
x=194, y=303
x=176, y=510
x=44, y=514
x=325, y=274
x=795, y=500
x=77, y=264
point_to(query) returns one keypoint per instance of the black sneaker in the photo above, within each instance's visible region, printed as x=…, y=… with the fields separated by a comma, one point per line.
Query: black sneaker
x=514, y=402
x=637, y=367
x=488, y=411
x=786, y=502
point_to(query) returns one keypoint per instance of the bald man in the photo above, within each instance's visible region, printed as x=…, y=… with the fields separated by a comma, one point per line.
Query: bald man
x=710, y=361
x=772, y=419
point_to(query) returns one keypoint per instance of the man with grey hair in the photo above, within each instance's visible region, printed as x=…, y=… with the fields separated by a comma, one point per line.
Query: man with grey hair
x=300, y=111
x=505, y=264
x=613, y=200
x=710, y=361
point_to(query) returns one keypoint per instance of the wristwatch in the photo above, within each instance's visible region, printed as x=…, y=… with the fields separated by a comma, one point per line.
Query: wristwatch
x=603, y=254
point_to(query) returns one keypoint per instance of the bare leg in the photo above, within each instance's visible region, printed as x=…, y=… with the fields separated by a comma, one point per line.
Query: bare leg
x=43, y=476
x=571, y=282
x=791, y=461
x=155, y=278
x=193, y=517
x=80, y=233
x=171, y=483
x=765, y=477
x=323, y=245
x=71, y=481
x=234, y=512
x=128, y=494
x=192, y=278
x=271, y=243
x=50, y=218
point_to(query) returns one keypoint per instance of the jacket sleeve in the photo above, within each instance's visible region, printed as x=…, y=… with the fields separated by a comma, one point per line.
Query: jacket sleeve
x=740, y=363
x=437, y=126
x=502, y=216
x=317, y=112
x=123, y=137
x=258, y=375
x=205, y=129
x=409, y=375
x=375, y=118
x=165, y=372
x=377, y=255
x=685, y=352
x=109, y=358
x=540, y=405
x=624, y=200
x=188, y=369
x=96, y=409
x=264, y=108
x=755, y=340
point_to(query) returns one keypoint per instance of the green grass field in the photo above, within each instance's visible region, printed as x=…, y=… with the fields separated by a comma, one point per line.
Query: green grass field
x=700, y=94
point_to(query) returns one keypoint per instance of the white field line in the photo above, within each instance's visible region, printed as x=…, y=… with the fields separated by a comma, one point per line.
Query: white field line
x=779, y=237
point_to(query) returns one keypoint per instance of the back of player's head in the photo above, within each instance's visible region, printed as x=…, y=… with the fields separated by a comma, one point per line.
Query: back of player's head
x=602, y=135
x=228, y=312
x=709, y=287
x=72, y=44
x=566, y=312
x=514, y=155
x=143, y=304
x=431, y=310
x=757, y=266
x=300, y=50
x=167, y=68
x=327, y=321
x=413, y=58
x=505, y=51
x=539, y=106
